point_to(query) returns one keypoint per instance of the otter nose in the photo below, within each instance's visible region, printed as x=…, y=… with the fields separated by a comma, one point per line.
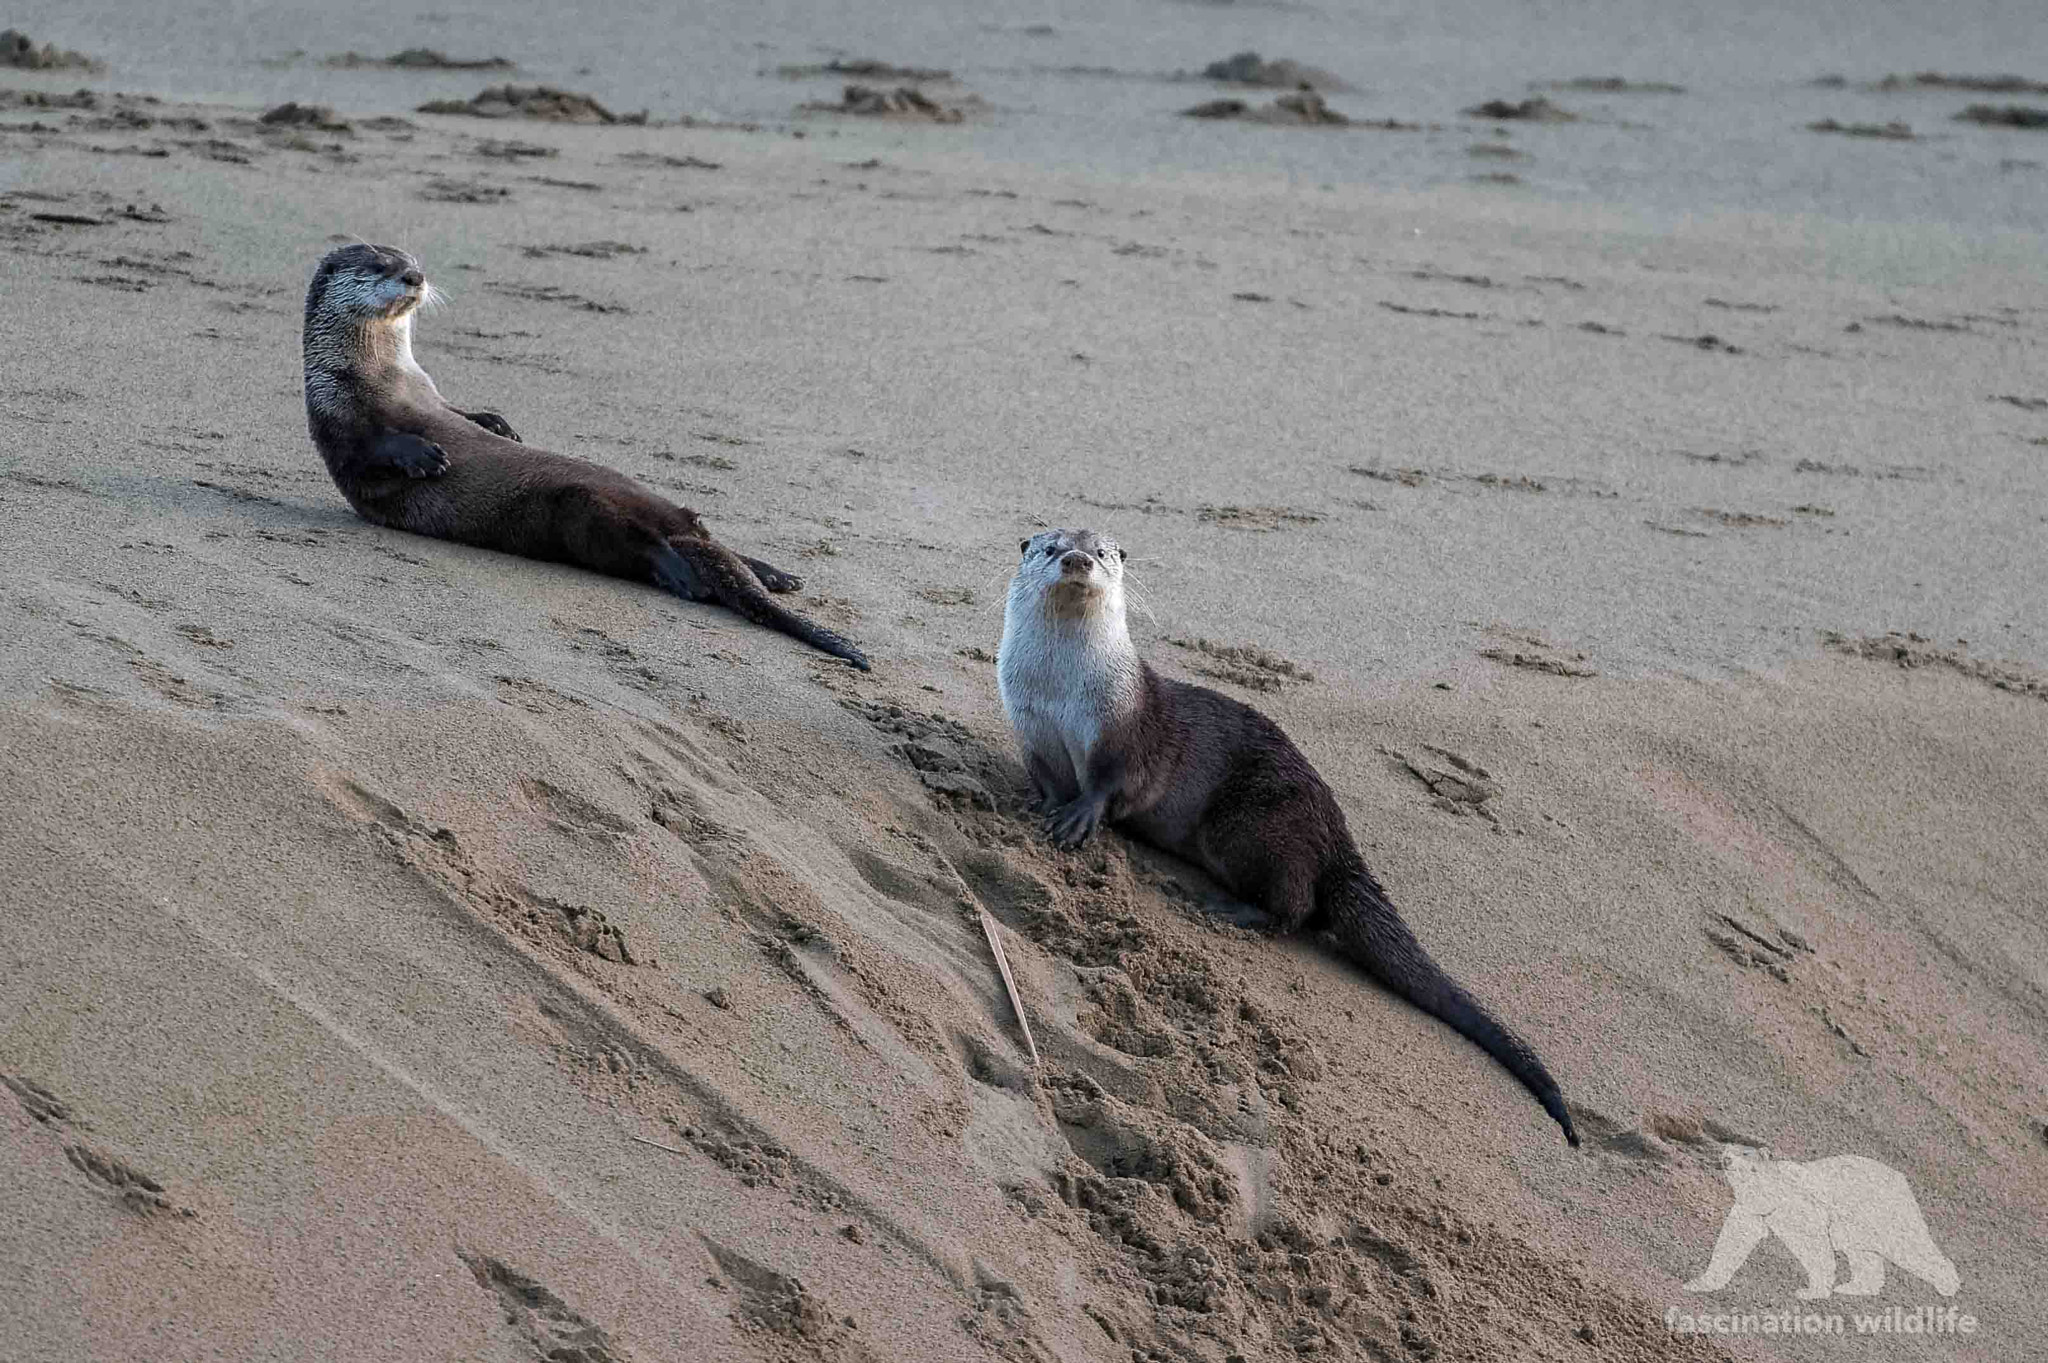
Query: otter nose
x=1074, y=563
x=411, y=279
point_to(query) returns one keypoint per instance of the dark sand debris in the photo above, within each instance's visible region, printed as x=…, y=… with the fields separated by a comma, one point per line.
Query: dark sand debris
x=2005, y=115
x=590, y=250
x=1249, y=68
x=1535, y=109
x=17, y=49
x=1432, y=312
x=441, y=189
x=905, y=101
x=867, y=68
x=1616, y=85
x=1246, y=665
x=422, y=59
x=1910, y=650
x=1889, y=132
x=1534, y=653
x=531, y=101
x=1983, y=85
x=1742, y=520
x=1709, y=341
x=1303, y=108
x=512, y=149
x=659, y=158
x=295, y=115
x=38, y=99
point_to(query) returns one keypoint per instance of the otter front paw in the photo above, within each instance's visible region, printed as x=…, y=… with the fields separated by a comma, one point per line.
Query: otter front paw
x=1072, y=824
x=493, y=423
x=411, y=455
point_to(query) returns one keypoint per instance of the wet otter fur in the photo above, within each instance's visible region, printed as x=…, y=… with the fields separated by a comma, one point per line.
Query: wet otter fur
x=404, y=458
x=1205, y=778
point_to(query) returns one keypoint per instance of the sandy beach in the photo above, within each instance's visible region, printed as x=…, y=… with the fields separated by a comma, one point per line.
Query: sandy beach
x=420, y=953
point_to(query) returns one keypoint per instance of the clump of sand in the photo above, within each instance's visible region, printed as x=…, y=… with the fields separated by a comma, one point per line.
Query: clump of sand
x=866, y=68
x=316, y=116
x=1891, y=132
x=421, y=59
x=1983, y=85
x=531, y=101
x=2005, y=115
x=1303, y=108
x=905, y=102
x=1249, y=68
x=1535, y=109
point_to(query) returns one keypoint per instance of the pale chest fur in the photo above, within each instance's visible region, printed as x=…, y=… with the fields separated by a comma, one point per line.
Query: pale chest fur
x=1063, y=682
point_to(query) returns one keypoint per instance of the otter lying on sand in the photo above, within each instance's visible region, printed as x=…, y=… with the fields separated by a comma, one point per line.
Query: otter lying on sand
x=406, y=459
x=1204, y=777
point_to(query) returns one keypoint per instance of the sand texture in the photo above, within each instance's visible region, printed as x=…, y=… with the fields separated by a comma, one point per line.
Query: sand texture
x=417, y=953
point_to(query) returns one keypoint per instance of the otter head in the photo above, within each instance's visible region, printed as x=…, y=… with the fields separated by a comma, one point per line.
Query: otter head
x=359, y=307
x=1076, y=574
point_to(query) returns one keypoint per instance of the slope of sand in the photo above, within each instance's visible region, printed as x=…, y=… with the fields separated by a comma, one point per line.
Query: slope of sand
x=369, y=895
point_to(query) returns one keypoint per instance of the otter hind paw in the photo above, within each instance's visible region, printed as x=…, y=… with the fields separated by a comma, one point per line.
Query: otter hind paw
x=773, y=578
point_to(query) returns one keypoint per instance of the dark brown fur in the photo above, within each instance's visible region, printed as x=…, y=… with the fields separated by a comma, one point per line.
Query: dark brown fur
x=404, y=458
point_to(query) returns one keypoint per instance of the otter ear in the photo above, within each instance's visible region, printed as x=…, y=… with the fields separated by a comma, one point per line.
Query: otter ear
x=1023, y=546
x=1121, y=555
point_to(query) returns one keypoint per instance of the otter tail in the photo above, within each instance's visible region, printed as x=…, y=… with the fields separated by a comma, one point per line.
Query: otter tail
x=1371, y=932
x=704, y=570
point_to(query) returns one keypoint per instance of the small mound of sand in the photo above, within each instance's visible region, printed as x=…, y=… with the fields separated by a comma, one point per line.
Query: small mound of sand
x=866, y=67
x=1303, y=108
x=295, y=115
x=2005, y=115
x=1535, y=109
x=1891, y=132
x=905, y=101
x=531, y=101
x=422, y=59
x=1249, y=68
x=19, y=50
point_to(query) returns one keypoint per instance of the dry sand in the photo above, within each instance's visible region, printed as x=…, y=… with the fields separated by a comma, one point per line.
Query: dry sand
x=416, y=953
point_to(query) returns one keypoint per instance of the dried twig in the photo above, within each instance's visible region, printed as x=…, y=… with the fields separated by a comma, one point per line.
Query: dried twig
x=995, y=944
x=673, y=1150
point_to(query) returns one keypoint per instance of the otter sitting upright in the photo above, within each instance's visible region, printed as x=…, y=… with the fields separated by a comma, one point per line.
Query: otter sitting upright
x=406, y=459
x=1204, y=777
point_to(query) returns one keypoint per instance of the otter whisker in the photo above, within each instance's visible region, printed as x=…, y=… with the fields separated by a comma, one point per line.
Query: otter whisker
x=1136, y=596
